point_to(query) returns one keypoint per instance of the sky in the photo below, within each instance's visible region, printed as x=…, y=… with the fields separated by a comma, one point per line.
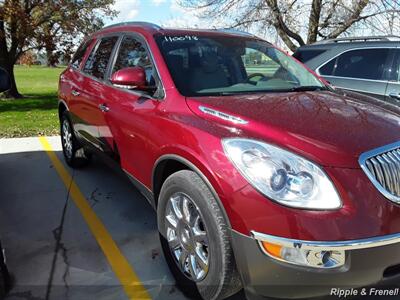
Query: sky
x=169, y=13
x=161, y=12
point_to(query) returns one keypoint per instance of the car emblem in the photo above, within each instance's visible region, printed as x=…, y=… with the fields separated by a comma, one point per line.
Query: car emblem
x=222, y=115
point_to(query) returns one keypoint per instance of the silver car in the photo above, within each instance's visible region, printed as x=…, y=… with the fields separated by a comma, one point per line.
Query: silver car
x=368, y=65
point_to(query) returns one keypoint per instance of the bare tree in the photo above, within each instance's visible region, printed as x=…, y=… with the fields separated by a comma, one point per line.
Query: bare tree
x=300, y=22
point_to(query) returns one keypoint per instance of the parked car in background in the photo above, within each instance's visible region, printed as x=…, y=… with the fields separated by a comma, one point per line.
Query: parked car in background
x=368, y=65
x=262, y=176
x=5, y=85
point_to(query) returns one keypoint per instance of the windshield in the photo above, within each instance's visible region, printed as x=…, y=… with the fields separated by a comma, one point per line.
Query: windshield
x=220, y=65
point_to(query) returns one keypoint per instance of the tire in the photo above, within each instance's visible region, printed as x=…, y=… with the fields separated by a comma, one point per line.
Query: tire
x=201, y=233
x=3, y=290
x=3, y=285
x=4, y=276
x=74, y=154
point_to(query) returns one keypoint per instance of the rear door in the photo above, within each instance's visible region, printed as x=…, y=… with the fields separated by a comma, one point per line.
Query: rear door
x=393, y=89
x=92, y=95
x=360, y=70
x=71, y=82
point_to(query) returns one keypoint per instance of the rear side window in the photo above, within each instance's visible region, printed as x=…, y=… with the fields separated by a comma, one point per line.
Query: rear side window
x=363, y=63
x=96, y=64
x=306, y=55
x=79, y=54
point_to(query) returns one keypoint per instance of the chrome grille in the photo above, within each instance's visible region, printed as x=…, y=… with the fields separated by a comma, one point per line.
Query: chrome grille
x=382, y=166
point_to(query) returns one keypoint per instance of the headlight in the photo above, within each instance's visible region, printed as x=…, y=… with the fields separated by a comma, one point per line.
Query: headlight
x=281, y=175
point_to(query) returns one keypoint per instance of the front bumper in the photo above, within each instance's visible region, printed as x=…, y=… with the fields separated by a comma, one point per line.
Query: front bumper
x=368, y=262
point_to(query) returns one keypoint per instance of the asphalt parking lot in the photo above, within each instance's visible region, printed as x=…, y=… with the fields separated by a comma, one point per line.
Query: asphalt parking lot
x=51, y=251
x=77, y=234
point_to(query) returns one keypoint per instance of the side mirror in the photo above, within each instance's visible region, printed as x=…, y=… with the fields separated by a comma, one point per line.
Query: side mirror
x=5, y=81
x=130, y=78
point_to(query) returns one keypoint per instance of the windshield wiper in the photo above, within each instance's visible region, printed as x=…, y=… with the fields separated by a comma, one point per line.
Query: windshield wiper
x=293, y=89
x=306, y=88
x=246, y=92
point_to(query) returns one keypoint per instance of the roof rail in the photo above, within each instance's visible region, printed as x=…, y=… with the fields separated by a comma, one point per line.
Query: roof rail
x=234, y=31
x=378, y=38
x=134, y=23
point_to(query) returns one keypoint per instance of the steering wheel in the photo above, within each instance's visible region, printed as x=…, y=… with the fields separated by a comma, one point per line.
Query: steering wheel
x=255, y=75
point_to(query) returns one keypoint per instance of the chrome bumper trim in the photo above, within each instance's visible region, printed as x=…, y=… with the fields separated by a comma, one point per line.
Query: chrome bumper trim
x=331, y=245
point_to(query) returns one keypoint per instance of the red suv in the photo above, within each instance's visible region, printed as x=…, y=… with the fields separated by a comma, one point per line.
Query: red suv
x=262, y=175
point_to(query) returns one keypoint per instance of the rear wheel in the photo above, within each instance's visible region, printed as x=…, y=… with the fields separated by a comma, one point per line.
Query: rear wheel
x=4, y=276
x=74, y=153
x=195, y=238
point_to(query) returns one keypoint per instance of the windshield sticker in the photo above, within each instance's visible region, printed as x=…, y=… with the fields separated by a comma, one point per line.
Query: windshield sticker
x=181, y=38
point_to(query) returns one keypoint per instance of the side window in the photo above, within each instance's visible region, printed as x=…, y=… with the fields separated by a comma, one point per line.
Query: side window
x=364, y=63
x=132, y=53
x=96, y=64
x=256, y=62
x=79, y=54
x=265, y=68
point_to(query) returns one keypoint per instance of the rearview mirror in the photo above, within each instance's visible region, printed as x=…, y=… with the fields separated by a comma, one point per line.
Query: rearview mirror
x=130, y=78
x=5, y=82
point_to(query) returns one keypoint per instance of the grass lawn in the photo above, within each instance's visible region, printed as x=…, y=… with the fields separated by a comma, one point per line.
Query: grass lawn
x=36, y=114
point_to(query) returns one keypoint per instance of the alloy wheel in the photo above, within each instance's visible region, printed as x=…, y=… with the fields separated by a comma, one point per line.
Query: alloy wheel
x=67, y=138
x=187, y=236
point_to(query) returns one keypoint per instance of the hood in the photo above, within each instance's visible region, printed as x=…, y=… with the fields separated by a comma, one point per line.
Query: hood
x=329, y=128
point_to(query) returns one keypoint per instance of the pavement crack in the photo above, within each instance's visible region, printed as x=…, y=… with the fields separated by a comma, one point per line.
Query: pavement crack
x=59, y=247
x=93, y=198
x=23, y=295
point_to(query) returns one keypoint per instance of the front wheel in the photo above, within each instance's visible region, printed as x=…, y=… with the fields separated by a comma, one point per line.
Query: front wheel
x=195, y=238
x=74, y=154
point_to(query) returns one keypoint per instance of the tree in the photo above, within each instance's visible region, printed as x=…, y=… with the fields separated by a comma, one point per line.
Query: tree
x=35, y=24
x=28, y=58
x=298, y=22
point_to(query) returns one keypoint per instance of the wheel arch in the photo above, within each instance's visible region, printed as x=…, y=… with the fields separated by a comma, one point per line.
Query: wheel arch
x=169, y=164
x=62, y=107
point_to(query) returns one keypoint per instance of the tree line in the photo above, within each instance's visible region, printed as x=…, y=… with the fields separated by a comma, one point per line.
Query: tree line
x=55, y=25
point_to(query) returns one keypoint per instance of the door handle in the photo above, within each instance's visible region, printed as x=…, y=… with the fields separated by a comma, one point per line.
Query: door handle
x=395, y=95
x=75, y=93
x=104, y=107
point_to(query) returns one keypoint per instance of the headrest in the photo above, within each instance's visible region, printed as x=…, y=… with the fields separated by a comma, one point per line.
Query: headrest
x=209, y=62
x=176, y=61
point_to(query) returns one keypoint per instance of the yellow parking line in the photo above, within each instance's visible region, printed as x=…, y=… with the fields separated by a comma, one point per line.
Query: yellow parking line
x=121, y=267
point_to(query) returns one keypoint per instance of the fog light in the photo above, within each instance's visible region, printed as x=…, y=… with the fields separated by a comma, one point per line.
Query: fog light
x=305, y=257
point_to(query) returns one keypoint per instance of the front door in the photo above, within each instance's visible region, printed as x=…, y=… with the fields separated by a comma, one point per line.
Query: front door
x=132, y=113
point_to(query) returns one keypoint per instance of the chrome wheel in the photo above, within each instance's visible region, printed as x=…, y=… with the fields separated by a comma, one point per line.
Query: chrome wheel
x=187, y=236
x=67, y=138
